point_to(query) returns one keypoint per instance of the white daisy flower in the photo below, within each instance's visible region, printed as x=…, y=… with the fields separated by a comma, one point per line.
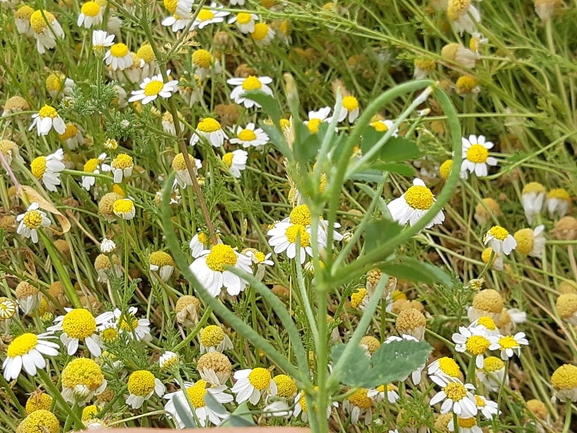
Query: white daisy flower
x=124, y=208
x=487, y=407
x=46, y=119
x=107, y=246
x=167, y=359
x=251, y=384
x=263, y=34
x=235, y=161
x=141, y=385
x=80, y=325
x=414, y=204
x=243, y=85
x=46, y=29
x=283, y=237
x=476, y=156
x=153, y=87
x=493, y=374
x=509, y=345
x=249, y=136
x=209, y=269
x=466, y=425
x=349, y=108
x=472, y=341
x=210, y=15
x=90, y=15
x=500, y=240
x=201, y=242
x=558, y=202
x=180, y=9
x=358, y=403
x=244, y=22
x=464, y=16
x=382, y=392
x=73, y=136
x=531, y=242
x=118, y=57
x=212, y=338
x=456, y=397
x=260, y=260
x=211, y=130
x=27, y=351
x=22, y=20
x=30, y=221
x=533, y=200
x=196, y=393
x=82, y=379
x=121, y=167
x=315, y=118
x=444, y=370
x=176, y=22
x=94, y=165
x=301, y=408
x=384, y=125
x=101, y=40
x=48, y=168
x=138, y=329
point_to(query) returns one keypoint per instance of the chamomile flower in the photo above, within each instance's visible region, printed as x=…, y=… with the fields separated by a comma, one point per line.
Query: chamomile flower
x=167, y=360
x=107, y=266
x=500, y=240
x=28, y=297
x=215, y=368
x=82, y=379
x=566, y=305
x=94, y=165
x=122, y=167
x=487, y=407
x=533, y=200
x=48, y=168
x=315, y=118
x=176, y=22
x=152, y=88
x=530, y=242
x=564, y=381
x=382, y=392
x=301, y=408
x=243, y=85
x=118, y=57
x=22, y=20
x=183, y=178
x=72, y=136
x=147, y=62
x=209, y=269
x=456, y=397
x=251, y=384
x=210, y=15
x=8, y=308
x=411, y=321
x=141, y=385
x=472, y=341
x=260, y=260
x=349, y=108
x=201, y=242
x=80, y=325
x=360, y=298
x=46, y=119
x=466, y=425
x=463, y=16
x=444, y=370
x=41, y=420
x=382, y=125
x=46, y=29
x=263, y=34
x=210, y=130
x=90, y=15
x=358, y=403
x=212, y=338
x=188, y=310
x=250, y=136
x=101, y=40
x=509, y=345
x=162, y=263
x=127, y=322
x=235, y=161
x=284, y=237
x=57, y=84
x=196, y=393
x=27, y=351
x=423, y=67
x=413, y=205
x=476, y=156
x=38, y=400
x=558, y=202
x=457, y=53
x=124, y=208
x=244, y=22
x=182, y=8
x=30, y=221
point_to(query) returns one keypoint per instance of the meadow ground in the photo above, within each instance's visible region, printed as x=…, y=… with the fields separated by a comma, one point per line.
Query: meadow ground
x=353, y=216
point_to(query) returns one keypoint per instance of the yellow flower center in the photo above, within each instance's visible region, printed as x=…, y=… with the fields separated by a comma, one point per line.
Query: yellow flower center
x=419, y=197
x=178, y=163
x=38, y=166
x=456, y=8
x=40, y=421
x=71, y=131
x=535, y=187
x=227, y=158
x=565, y=377
x=445, y=169
x=499, y=233
x=153, y=88
x=297, y=230
x=37, y=401
x=205, y=15
x=196, y=394
x=466, y=422
x=32, y=219
x=285, y=386
x=455, y=391
x=427, y=65
x=357, y=297
x=487, y=322
x=160, y=258
x=219, y=256
x=54, y=82
x=260, y=31
x=449, y=367
x=48, y=111
x=466, y=84
x=259, y=256
x=477, y=344
x=525, y=240
x=145, y=53
x=493, y=364
x=117, y=189
x=21, y=345
x=79, y=323
x=123, y=206
x=303, y=403
x=313, y=125
x=109, y=334
x=380, y=126
x=243, y=18
x=508, y=342
x=259, y=378
x=477, y=153
x=128, y=322
x=359, y=398
x=91, y=165
x=141, y=383
x=251, y=83
x=170, y=5
x=480, y=401
x=350, y=103
x=122, y=161
x=284, y=124
x=211, y=336
x=82, y=371
x=90, y=9
x=24, y=13
x=208, y=125
x=38, y=23
x=203, y=238
x=300, y=215
x=559, y=193
x=111, y=144
x=90, y=412
x=247, y=135
x=119, y=50
x=202, y=59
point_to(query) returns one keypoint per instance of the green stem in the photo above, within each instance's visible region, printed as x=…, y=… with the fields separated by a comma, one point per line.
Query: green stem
x=55, y=393
x=568, y=409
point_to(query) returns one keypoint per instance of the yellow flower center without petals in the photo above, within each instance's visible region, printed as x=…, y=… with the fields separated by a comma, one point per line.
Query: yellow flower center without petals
x=211, y=336
x=205, y=15
x=227, y=158
x=285, y=385
x=445, y=169
x=251, y=83
x=477, y=153
x=565, y=377
x=559, y=193
x=119, y=50
x=260, y=31
x=21, y=345
x=48, y=111
x=196, y=394
x=297, y=230
x=145, y=53
x=91, y=165
x=477, y=344
x=466, y=422
x=525, y=240
x=153, y=88
x=449, y=367
x=300, y=215
x=247, y=135
x=359, y=398
x=380, y=126
x=455, y=391
x=480, y=401
x=202, y=59
x=82, y=371
x=160, y=258
x=419, y=197
x=79, y=323
x=219, y=256
x=243, y=18
x=259, y=378
x=109, y=334
x=123, y=206
x=350, y=103
x=38, y=166
x=141, y=383
x=493, y=364
x=90, y=9
x=24, y=13
x=54, y=82
x=37, y=21
x=313, y=125
x=40, y=421
x=32, y=219
x=208, y=125
x=487, y=322
x=499, y=233
x=357, y=297
x=534, y=187
x=122, y=161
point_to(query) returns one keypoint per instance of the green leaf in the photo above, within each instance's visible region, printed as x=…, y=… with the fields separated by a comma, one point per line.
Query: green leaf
x=183, y=413
x=241, y=417
x=359, y=363
x=269, y=105
x=402, y=169
x=396, y=149
x=369, y=176
x=379, y=232
x=214, y=405
x=276, y=138
x=307, y=145
x=408, y=268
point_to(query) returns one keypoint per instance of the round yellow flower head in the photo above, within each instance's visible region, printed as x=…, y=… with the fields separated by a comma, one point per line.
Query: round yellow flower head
x=359, y=398
x=442, y=422
x=38, y=401
x=211, y=336
x=565, y=377
x=141, y=383
x=146, y=53
x=160, y=258
x=102, y=262
x=567, y=305
x=466, y=85
x=425, y=64
x=565, y=229
x=106, y=204
x=457, y=9
x=533, y=187
x=411, y=322
x=566, y=287
x=488, y=300
x=202, y=59
x=371, y=343
x=358, y=297
x=24, y=289
x=493, y=364
x=39, y=421
x=445, y=169
x=16, y=104
x=186, y=301
x=481, y=213
x=525, y=241
x=286, y=386
x=215, y=361
x=537, y=408
x=90, y=412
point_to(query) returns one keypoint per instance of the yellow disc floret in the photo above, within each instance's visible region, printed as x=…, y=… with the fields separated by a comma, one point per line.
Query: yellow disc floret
x=38, y=166
x=565, y=377
x=21, y=345
x=419, y=197
x=455, y=391
x=449, y=366
x=371, y=343
x=534, y=187
x=154, y=87
x=38, y=401
x=567, y=305
x=488, y=300
x=445, y=169
x=359, y=398
x=40, y=421
x=122, y=161
x=38, y=22
x=477, y=344
x=285, y=385
x=260, y=31
x=251, y=83
x=32, y=219
x=493, y=364
x=350, y=103
x=82, y=371
x=487, y=322
x=202, y=59
x=219, y=256
x=300, y=215
x=357, y=297
x=498, y=232
x=119, y=50
x=525, y=241
x=146, y=53
x=208, y=125
x=141, y=383
x=297, y=230
x=211, y=336
x=160, y=258
x=79, y=323
x=196, y=394
x=259, y=378
x=477, y=153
